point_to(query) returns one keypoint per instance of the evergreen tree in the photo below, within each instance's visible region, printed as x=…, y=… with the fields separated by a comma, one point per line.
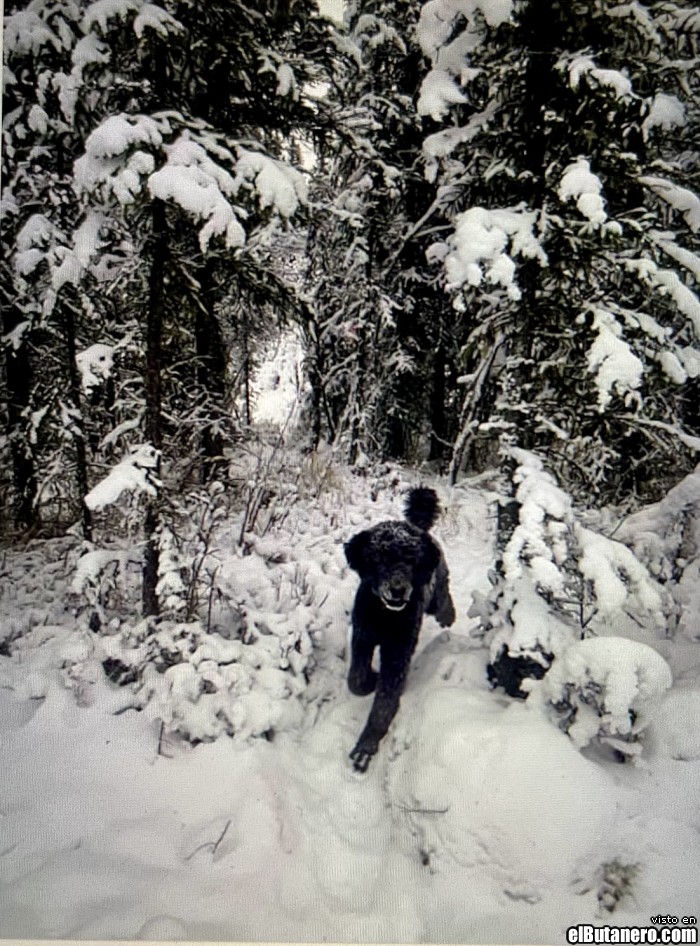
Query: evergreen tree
x=40, y=260
x=379, y=343
x=566, y=161
x=179, y=126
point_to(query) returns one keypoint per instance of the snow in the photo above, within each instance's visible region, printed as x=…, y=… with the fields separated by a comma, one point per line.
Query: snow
x=134, y=474
x=580, y=183
x=438, y=17
x=277, y=184
x=109, y=160
x=100, y=12
x=286, y=81
x=71, y=263
x=679, y=198
x=449, y=53
x=155, y=18
x=26, y=32
x=481, y=237
x=192, y=180
x=615, y=366
x=470, y=792
x=617, y=576
x=614, y=684
x=665, y=112
x=95, y=365
x=278, y=384
x=613, y=79
x=438, y=92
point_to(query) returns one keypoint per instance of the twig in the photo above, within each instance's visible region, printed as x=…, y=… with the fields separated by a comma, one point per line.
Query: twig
x=424, y=811
x=212, y=844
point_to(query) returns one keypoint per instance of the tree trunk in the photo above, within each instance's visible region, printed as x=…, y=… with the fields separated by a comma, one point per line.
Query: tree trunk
x=155, y=315
x=68, y=324
x=438, y=428
x=211, y=370
x=19, y=381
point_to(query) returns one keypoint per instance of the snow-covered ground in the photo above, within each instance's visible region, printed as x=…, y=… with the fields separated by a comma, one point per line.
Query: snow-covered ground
x=479, y=821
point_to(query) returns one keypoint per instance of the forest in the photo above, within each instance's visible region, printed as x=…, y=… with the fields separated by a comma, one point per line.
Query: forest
x=266, y=266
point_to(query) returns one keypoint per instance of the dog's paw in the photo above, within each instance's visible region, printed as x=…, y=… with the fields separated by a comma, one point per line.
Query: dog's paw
x=361, y=756
x=362, y=684
x=446, y=615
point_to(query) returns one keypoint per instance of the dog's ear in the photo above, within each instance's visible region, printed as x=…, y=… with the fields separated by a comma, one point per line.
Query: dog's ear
x=356, y=553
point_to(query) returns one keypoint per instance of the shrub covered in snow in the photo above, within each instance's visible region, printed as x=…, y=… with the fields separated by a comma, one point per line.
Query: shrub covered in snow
x=666, y=537
x=604, y=688
x=556, y=582
x=242, y=664
x=203, y=686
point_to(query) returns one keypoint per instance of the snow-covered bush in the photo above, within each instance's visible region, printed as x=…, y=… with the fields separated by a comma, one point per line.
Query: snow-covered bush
x=666, y=537
x=204, y=686
x=100, y=581
x=243, y=668
x=556, y=582
x=604, y=689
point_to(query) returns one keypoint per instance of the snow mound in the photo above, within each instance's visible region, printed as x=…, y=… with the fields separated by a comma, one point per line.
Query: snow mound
x=481, y=784
x=674, y=731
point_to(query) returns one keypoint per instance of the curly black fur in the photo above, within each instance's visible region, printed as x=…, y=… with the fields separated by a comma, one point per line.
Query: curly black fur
x=403, y=575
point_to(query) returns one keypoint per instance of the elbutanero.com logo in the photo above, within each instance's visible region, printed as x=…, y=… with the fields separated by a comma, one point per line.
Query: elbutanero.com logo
x=664, y=934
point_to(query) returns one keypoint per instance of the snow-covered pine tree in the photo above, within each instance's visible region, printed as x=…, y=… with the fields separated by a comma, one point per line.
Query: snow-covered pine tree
x=46, y=247
x=567, y=151
x=182, y=123
x=199, y=148
x=377, y=338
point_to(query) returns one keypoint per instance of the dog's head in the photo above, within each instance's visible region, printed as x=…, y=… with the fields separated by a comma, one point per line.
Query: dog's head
x=395, y=558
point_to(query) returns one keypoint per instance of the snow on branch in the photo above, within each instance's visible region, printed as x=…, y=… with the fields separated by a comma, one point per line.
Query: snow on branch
x=114, y=162
x=277, y=185
x=606, y=688
x=438, y=17
x=679, y=198
x=95, y=365
x=612, y=79
x=449, y=50
x=615, y=366
x=73, y=261
x=557, y=581
x=538, y=540
x=34, y=241
x=145, y=16
x=26, y=32
x=135, y=474
x=129, y=155
x=659, y=519
x=665, y=112
x=438, y=93
x=667, y=282
x=200, y=186
x=687, y=259
x=618, y=578
x=483, y=246
x=578, y=182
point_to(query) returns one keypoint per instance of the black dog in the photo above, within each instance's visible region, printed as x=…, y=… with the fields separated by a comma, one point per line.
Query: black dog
x=403, y=576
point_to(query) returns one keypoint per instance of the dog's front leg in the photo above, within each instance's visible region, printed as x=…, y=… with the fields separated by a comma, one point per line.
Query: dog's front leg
x=361, y=678
x=392, y=677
